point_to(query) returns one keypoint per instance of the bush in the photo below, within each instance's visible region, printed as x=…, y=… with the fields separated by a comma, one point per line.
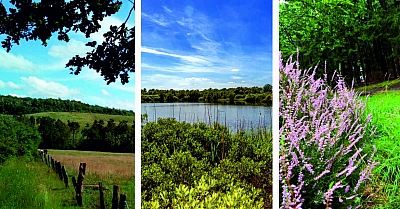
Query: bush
x=202, y=195
x=325, y=151
x=17, y=139
x=175, y=155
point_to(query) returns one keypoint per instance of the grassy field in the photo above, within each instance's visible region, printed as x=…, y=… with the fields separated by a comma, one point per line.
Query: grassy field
x=37, y=186
x=385, y=109
x=379, y=86
x=84, y=118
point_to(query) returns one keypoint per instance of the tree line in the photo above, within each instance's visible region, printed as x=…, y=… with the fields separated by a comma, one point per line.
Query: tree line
x=100, y=136
x=251, y=95
x=360, y=39
x=10, y=105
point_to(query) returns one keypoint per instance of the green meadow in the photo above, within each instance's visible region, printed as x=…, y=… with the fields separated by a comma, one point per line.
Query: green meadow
x=385, y=109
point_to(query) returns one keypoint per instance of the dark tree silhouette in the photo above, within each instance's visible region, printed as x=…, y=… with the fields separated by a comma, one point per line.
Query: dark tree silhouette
x=113, y=59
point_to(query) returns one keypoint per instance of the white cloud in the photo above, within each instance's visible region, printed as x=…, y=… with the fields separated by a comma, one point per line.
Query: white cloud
x=69, y=50
x=191, y=59
x=9, y=85
x=158, y=19
x=42, y=88
x=105, y=27
x=235, y=77
x=196, y=79
x=167, y=9
x=112, y=103
x=17, y=95
x=231, y=82
x=105, y=92
x=235, y=70
x=15, y=62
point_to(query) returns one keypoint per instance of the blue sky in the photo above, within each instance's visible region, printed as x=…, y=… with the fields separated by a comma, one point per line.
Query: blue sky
x=206, y=44
x=32, y=70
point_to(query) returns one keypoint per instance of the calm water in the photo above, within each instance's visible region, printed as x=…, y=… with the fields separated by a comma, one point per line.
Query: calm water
x=233, y=116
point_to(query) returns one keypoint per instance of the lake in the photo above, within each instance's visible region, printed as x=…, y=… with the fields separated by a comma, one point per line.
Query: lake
x=233, y=116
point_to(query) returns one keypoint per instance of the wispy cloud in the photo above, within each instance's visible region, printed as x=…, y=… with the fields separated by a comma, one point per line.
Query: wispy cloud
x=183, y=57
x=105, y=92
x=204, y=43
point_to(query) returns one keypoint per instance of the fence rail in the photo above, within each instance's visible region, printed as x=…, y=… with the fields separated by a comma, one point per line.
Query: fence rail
x=61, y=171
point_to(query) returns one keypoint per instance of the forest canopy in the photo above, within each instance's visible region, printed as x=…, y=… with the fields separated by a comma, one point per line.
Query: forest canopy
x=360, y=39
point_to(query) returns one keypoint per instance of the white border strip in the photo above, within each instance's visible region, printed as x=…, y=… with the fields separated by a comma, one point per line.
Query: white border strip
x=138, y=81
x=275, y=104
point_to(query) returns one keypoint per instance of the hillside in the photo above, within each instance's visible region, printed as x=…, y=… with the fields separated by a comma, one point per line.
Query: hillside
x=11, y=105
x=84, y=118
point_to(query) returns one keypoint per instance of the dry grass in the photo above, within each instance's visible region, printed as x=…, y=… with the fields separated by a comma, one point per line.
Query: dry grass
x=105, y=166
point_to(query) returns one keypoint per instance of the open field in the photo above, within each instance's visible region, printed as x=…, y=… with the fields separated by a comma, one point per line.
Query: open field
x=41, y=187
x=386, y=117
x=104, y=165
x=84, y=118
x=109, y=168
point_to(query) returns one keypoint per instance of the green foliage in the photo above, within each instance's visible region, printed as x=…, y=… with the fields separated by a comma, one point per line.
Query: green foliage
x=202, y=195
x=20, y=106
x=175, y=155
x=386, y=116
x=17, y=139
x=254, y=95
x=360, y=38
x=114, y=58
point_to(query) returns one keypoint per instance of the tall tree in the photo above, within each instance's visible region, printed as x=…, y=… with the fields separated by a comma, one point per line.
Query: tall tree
x=113, y=59
x=74, y=127
x=357, y=38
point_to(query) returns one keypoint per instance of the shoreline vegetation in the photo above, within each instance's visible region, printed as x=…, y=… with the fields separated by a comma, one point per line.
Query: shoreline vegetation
x=205, y=165
x=237, y=96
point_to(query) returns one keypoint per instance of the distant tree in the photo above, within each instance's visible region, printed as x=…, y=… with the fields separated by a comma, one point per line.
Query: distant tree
x=74, y=127
x=62, y=135
x=47, y=131
x=267, y=88
x=114, y=58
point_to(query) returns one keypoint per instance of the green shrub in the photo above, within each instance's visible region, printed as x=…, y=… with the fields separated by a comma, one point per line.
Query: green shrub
x=17, y=139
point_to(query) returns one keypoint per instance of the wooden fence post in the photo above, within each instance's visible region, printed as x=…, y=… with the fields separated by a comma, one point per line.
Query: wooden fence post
x=52, y=164
x=115, y=197
x=79, y=183
x=65, y=176
x=122, y=200
x=45, y=158
x=48, y=160
x=58, y=166
x=102, y=205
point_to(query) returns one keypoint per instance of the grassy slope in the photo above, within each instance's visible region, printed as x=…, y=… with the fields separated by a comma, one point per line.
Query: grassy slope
x=379, y=86
x=84, y=118
x=386, y=117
